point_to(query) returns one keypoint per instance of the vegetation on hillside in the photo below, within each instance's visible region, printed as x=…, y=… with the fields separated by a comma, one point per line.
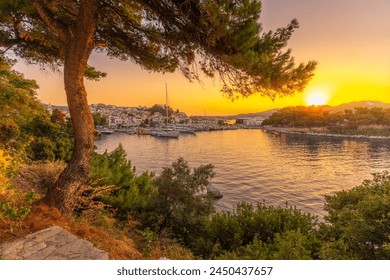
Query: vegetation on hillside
x=356, y=226
x=25, y=125
x=360, y=121
x=168, y=215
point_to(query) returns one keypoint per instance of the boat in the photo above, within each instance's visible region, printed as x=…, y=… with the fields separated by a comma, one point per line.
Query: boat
x=131, y=131
x=166, y=131
x=144, y=131
x=185, y=130
x=106, y=131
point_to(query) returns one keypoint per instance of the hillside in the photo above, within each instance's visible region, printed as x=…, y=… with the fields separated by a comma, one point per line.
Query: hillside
x=264, y=114
x=352, y=105
x=339, y=108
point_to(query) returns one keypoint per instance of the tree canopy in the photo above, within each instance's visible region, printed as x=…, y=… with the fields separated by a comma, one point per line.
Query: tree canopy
x=320, y=116
x=24, y=123
x=222, y=37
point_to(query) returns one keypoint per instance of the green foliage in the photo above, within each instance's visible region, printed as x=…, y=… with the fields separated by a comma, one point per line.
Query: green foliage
x=171, y=200
x=25, y=124
x=356, y=227
x=132, y=195
x=14, y=205
x=149, y=241
x=134, y=198
x=17, y=209
x=51, y=140
x=348, y=122
x=178, y=201
x=58, y=117
x=9, y=131
x=91, y=73
x=17, y=96
x=299, y=116
x=111, y=169
x=99, y=120
x=290, y=245
x=160, y=109
x=224, y=35
x=262, y=231
x=358, y=221
x=42, y=149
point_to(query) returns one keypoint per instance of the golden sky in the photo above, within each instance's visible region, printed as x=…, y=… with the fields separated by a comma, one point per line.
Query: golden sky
x=350, y=39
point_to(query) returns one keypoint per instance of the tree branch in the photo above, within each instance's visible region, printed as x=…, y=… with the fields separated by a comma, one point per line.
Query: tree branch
x=102, y=44
x=46, y=15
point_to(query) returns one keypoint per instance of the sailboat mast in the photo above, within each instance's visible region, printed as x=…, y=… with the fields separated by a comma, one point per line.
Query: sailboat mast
x=166, y=101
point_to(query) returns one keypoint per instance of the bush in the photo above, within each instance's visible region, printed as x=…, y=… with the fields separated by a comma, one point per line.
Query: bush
x=135, y=198
x=9, y=131
x=4, y=162
x=42, y=148
x=257, y=232
x=358, y=221
x=14, y=205
x=178, y=202
x=51, y=140
x=171, y=200
x=111, y=169
x=290, y=245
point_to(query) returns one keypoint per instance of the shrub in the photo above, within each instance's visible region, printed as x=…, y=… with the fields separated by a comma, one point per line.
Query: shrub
x=258, y=232
x=358, y=221
x=171, y=200
x=9, y=131
x=42, y=148
x=111, y=169
x=14, y=205
x=50, y=140
x=178, y=202
x=4, y=162
x=290, y=245
x=135, y=198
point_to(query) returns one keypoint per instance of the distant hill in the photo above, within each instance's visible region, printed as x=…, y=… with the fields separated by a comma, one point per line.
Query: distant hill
x=352, y=105
x=342, y=107
x=264, y=114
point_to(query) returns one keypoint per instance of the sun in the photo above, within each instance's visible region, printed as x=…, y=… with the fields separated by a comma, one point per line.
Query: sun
x=317, y=98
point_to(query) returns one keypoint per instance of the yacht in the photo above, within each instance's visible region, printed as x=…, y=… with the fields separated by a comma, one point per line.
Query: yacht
x=185, y=130
x=106, y=131
x=166, y=131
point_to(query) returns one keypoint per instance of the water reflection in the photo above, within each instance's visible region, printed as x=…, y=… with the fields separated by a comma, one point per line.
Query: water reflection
x=252, y=165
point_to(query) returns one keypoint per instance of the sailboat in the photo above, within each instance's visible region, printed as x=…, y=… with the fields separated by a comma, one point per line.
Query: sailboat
x=165, y=131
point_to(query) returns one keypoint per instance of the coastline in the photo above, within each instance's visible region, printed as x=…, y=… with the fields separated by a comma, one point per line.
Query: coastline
x=313, y=132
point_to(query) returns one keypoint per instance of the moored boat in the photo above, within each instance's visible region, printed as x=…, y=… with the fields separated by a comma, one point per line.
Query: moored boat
x=106, y=131
x=165, y=132
x=185, y=130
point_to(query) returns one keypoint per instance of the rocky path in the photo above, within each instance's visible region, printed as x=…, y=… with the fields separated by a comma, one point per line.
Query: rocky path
x=52, y=243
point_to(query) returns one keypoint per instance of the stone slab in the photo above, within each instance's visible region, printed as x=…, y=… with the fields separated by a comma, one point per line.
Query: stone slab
x=53, y=243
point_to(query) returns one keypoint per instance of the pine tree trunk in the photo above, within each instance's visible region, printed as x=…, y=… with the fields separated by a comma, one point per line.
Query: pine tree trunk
x=79, y=47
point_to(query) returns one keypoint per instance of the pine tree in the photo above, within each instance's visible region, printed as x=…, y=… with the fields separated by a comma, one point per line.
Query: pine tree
x=223, y=37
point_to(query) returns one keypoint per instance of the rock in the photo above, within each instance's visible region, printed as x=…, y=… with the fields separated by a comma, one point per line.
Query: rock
x=53, y=243
x=214, y=192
